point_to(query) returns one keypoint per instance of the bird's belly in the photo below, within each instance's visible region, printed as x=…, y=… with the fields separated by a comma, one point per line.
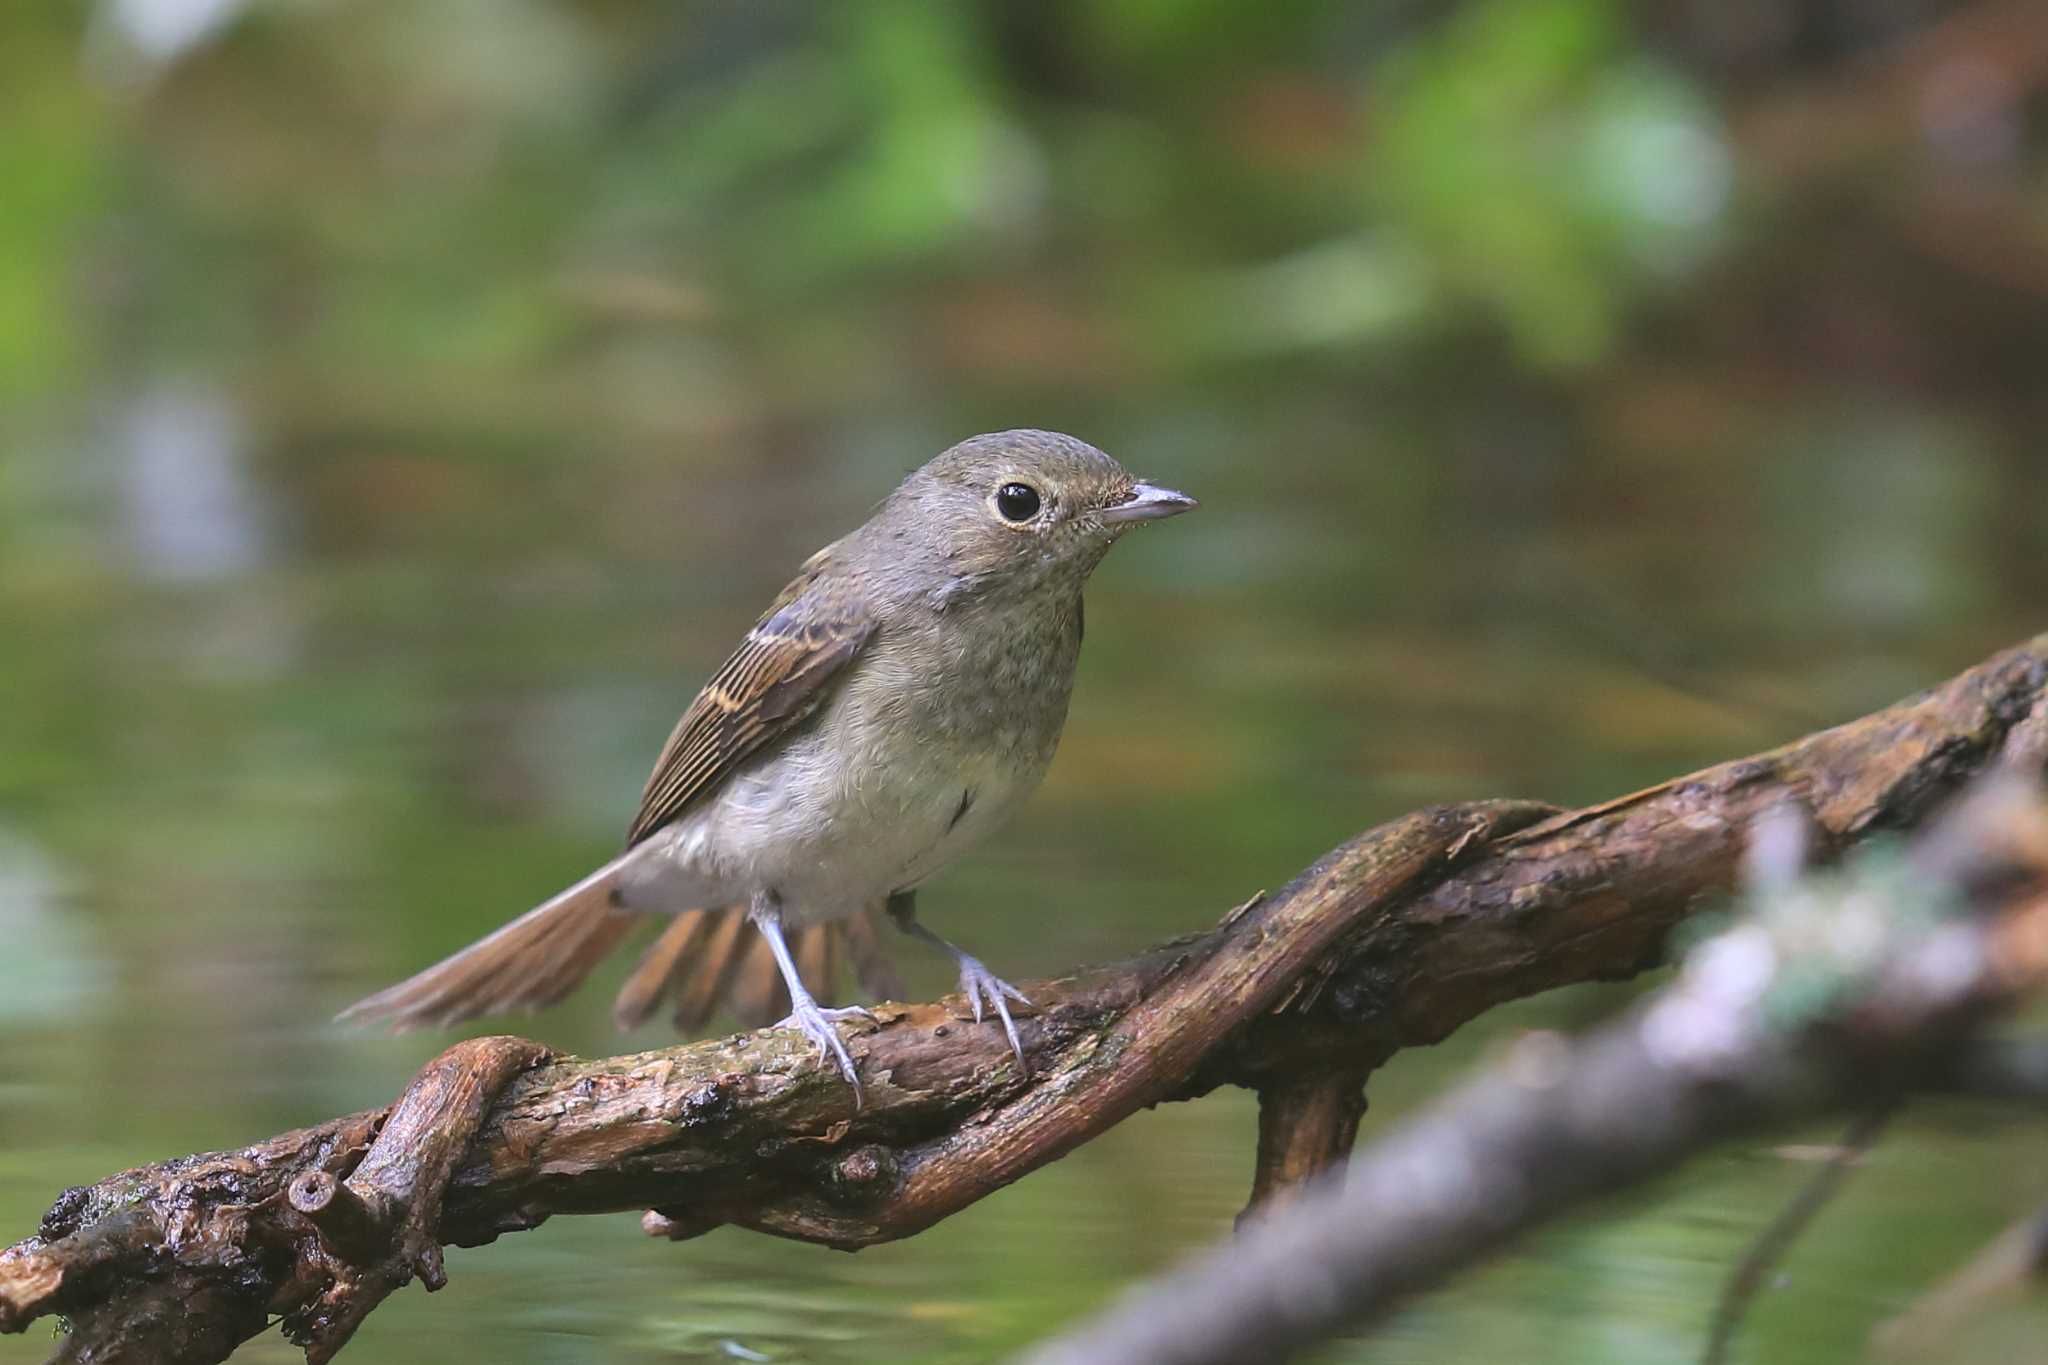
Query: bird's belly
x=827, y=836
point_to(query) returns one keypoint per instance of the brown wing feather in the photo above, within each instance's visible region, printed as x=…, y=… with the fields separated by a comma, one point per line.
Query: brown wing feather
x=777, y=676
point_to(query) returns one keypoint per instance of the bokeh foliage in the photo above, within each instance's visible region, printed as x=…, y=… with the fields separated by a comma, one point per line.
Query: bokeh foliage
x=403, y=404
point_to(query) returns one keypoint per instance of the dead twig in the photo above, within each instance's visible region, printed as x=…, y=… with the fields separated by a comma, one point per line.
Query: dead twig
x=1777, y=1238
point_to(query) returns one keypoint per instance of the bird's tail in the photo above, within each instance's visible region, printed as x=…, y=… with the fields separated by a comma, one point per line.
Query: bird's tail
x=706, y=957
x=703, y=958
x=531, y=962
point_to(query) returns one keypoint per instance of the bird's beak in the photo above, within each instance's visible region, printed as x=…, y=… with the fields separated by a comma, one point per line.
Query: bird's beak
x=1148, y=503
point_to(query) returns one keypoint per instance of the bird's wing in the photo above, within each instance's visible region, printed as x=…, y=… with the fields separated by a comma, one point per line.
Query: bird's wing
x=780, y=674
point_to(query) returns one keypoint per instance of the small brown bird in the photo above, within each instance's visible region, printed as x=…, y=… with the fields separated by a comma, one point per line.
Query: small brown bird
x=894, y=705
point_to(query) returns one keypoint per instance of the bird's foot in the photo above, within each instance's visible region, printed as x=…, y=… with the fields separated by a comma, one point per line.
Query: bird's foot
x=817, y=1022
x=983, y=987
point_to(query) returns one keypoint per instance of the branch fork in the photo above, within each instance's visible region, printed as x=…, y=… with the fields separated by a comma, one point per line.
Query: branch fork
x=1391, y=940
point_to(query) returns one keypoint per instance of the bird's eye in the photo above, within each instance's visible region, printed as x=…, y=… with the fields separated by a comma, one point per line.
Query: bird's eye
x=1017, y=501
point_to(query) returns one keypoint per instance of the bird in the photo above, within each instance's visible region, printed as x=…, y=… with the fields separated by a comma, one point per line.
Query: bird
x=893, y=706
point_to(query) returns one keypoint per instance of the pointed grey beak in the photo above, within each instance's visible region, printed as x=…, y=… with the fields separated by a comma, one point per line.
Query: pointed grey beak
x=1148, y=503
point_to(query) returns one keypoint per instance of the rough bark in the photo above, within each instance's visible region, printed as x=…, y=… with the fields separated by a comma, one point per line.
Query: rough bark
x=378, y=1228
x=1912, y=965
x=1393, y=939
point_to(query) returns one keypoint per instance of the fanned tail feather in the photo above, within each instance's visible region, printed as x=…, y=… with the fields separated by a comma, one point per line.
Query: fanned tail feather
x=708, y=957
x=873, y=968
x=754, y=993
x=684, y=937
x=701, y=984
x=532, y=962
x=702, y=958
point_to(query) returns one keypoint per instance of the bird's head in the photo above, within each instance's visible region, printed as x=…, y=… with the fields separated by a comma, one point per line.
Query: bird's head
x=1024, y=507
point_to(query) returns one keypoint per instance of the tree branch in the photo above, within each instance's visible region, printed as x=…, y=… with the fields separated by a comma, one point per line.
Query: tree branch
x=377, y=1229
x=1306, y=1125
x=1391, y=940
x=1850, y=988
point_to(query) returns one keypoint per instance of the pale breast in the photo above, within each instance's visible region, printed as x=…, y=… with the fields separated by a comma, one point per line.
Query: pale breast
x=927, y=747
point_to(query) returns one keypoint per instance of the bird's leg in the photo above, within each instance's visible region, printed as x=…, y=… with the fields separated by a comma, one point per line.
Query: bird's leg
x=805, y=1013
x=977, y=982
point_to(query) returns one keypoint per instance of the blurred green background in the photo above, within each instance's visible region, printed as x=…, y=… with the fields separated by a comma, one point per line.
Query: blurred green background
x=403, y=405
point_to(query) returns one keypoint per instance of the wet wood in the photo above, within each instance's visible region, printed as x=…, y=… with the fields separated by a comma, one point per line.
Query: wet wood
x=1391, y=940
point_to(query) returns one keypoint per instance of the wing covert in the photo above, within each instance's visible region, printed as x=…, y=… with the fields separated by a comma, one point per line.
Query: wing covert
x=777, y=677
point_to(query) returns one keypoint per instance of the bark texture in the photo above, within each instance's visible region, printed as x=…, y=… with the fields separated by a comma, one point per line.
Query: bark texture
x=1393, y=939
x=1912, y=957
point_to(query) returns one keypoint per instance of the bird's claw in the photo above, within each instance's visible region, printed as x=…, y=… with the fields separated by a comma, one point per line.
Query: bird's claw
x=984, y=989
x=816, y=1024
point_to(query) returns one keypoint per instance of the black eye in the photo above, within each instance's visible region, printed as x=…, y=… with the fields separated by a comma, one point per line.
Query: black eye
x=1017, y=501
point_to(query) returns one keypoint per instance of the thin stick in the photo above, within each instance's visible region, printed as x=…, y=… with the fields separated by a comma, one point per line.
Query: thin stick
x=1777, y=1238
